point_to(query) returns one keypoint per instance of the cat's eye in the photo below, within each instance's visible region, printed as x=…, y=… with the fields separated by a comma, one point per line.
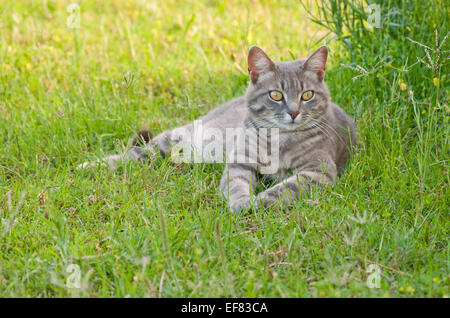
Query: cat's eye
x=276, y=95
x=307, y=95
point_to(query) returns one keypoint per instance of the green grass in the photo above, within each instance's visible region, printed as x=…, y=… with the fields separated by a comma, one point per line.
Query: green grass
x=68, y=95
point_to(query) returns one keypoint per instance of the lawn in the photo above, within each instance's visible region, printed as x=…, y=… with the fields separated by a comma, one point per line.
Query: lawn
x=71, y=92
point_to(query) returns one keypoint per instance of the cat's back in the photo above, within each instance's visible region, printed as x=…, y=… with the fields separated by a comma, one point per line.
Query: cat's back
x=345, y=122
x=345, y=128
x=230, y=114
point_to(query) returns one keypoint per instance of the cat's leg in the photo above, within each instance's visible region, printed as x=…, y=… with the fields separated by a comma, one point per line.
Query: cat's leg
x=142, y=148
x=237, y=184
x=320, y=171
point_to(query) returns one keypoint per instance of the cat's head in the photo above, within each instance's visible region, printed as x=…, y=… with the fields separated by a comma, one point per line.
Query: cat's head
x=287, y=95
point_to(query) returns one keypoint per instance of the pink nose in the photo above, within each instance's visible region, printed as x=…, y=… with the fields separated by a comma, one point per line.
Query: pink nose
x=293, y=114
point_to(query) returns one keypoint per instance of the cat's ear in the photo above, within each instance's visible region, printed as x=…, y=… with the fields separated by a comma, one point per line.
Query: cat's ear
x=316, y=62
x=258, y=63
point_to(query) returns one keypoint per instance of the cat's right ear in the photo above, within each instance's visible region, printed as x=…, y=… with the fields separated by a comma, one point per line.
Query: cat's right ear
x=258, y=63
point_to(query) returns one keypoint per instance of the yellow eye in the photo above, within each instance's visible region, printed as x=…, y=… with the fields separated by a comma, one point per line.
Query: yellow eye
x=276, y=95
x=307, y=95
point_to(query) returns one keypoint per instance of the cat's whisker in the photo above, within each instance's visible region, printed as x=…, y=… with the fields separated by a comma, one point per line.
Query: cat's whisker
x=324, y=123
x=322, y=129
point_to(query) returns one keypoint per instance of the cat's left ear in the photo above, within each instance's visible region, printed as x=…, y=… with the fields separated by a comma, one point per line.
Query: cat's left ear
x=316, y=62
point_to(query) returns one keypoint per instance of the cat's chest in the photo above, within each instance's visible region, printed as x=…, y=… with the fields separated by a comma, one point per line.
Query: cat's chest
x=284, y=164
x=292, y=151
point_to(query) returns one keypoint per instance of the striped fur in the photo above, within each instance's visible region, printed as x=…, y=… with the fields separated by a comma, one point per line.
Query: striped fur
x=314, y=146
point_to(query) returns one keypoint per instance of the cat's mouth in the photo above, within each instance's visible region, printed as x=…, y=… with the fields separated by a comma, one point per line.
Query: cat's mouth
x=293, y=120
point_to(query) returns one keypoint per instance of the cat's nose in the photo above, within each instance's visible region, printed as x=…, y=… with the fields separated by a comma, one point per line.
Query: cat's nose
x=293, y=114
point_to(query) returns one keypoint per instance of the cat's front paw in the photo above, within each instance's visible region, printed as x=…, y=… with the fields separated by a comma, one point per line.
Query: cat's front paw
x=240, y=206
x=263, y=200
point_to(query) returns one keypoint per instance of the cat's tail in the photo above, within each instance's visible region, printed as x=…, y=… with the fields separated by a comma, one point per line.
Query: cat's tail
x=141, y=148
x=143, y=137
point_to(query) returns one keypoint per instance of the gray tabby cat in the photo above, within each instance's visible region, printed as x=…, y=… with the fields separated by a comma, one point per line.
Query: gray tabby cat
x=315, y=135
